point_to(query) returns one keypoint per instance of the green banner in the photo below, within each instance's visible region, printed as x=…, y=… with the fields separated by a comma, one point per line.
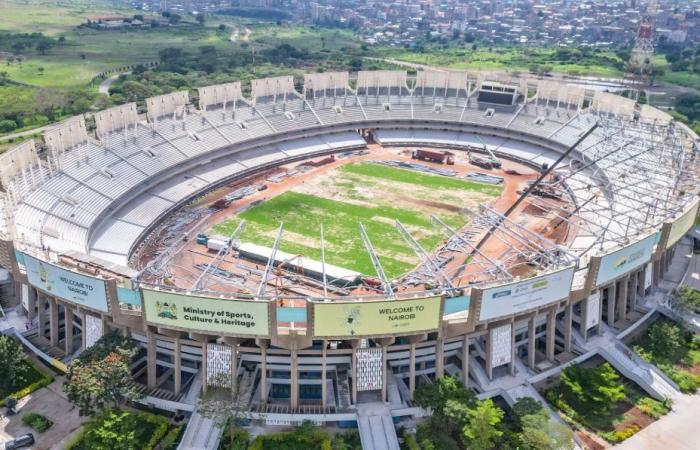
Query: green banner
x=206, y=314
x=391, y=317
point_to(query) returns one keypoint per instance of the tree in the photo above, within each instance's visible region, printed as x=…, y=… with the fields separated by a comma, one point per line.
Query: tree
x=482, y=427
x=540, y=433
x=11, y=355
x=666, y=342
x=689, y=298
x=446, y=392
x=592, y=390
x=44, y=46
x=100, y=378
x=200, y=19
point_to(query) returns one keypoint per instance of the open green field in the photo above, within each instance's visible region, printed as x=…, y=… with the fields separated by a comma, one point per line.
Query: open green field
x=601, y=63
x=366, y=193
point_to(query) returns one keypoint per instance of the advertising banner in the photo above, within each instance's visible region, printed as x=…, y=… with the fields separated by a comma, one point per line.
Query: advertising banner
x=73, y=287
x=682, y=224
x=357, y=319
x=216, y=315
x=501, y=345
x=521, y=296
x=625, y=260
x=592, y=310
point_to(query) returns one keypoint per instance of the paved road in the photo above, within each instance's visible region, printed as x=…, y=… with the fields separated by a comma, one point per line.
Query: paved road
x=678, y=430
x=107, y=82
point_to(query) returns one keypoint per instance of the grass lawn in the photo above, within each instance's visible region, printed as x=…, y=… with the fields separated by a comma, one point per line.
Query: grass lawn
x=366, y=193
x=126, y=429
x=27, y=380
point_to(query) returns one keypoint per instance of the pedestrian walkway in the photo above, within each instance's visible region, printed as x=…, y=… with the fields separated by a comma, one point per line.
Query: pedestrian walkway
x=376, y=427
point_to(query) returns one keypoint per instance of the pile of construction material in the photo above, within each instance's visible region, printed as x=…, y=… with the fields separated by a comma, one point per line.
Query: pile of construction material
x=484, y=178
x=418, y=167
x=238, y=194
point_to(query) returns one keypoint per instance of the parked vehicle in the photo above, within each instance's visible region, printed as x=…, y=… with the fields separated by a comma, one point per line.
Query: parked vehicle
x=20, y=442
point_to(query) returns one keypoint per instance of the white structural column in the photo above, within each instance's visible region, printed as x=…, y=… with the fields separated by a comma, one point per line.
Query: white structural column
x=177, y=364
x=83, y=331
x=385, y=373
x=203, y=368
x=583, y=321
x=41, y=314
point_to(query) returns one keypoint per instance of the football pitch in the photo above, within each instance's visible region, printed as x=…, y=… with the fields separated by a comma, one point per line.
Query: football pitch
x=372, y=194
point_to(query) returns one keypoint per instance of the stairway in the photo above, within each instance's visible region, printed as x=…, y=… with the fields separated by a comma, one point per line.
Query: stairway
x=377, y=431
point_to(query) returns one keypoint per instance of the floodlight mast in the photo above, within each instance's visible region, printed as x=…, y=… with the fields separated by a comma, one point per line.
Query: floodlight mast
x=220, y=255
x=270, y=262
x=386, y=284
x=323, y=265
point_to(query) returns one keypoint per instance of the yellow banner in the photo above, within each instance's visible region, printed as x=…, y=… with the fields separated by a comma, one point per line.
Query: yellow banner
x=367, y=319
x=216, y=315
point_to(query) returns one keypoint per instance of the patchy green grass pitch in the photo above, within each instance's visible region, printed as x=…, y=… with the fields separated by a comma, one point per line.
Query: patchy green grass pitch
x=371, y=194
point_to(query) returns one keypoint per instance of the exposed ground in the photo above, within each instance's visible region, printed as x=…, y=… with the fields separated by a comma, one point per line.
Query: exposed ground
x=367, y=193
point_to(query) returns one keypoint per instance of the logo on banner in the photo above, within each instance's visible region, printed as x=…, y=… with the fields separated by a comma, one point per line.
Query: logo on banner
x=166, y=311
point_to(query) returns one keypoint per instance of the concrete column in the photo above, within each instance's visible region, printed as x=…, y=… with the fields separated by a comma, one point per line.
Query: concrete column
x=465, y=361
x=568, y=326
x=53, y=322
x=489, y=355
x=68, y=320
x=624, y=297
x=83, y=334
x=633, y=290
x=294, y=391
x=203, y=369
x=439, y=358
x=531, y=342
x=584, y=319
x=263, y=375
x=599, y=327
x=177, y=376
x=234, y=366
x=385, y=373
x=551, y=334
x=656, y=276
x=31, y=303
x=41, y=315
x=151, y=365
x=324, y=353
x=612, y=301
x=411, y=369
x=511, y=365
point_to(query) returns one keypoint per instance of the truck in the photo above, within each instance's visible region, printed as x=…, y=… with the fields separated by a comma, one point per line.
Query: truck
x=484, y=163
x=433, y=156
x=216, y=243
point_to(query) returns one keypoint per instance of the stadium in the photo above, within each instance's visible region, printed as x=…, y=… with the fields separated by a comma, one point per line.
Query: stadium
x=327, y=244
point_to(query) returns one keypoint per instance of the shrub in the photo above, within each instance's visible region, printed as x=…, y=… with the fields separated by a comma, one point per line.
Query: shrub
x=27, y=373
x=409, y=442
x=172, y=439
x=652, y=408
x=121, y=430
x=37, y=422
x=619, y=436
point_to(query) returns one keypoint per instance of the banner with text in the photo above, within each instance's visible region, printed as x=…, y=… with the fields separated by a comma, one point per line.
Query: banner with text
x=522, y=296
x=217, y=315
x=625, y=260
x=70, y=286
x=682, y=224
x=357, y=319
